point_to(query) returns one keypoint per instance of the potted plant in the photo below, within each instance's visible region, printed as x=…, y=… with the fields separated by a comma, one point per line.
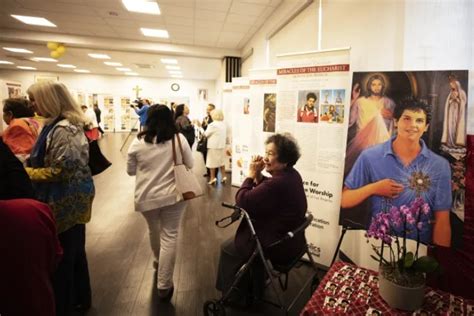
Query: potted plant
x=402, y=272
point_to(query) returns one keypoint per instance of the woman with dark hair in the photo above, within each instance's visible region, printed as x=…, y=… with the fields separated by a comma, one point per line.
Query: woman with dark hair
x=276, y=204
x=22, y=130
x=183, y=123
x=150, y=159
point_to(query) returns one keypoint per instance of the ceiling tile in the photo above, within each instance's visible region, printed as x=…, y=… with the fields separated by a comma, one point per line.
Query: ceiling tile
x=246, y=8
x=208, y=24
x=234, y=27
x=210, y=15
x=241, y=19
x=182, y=12
x=213, y=5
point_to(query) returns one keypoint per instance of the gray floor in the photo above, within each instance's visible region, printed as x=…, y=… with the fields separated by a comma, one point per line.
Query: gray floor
x=120, y=259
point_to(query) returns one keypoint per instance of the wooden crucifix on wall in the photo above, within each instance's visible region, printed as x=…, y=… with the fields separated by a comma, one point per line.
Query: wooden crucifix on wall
x=137, y=90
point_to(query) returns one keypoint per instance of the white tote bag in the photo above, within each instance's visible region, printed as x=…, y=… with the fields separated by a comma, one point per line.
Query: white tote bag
x=186, y=183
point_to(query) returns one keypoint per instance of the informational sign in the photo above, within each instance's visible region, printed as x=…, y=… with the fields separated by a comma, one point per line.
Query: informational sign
x=227, y=108
x=312, y=104
x=241, y=129
x=108, y=113
x=125, y=114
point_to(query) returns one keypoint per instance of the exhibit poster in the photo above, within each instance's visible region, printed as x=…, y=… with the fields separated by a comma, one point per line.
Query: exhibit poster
x=241, y=130
x=313, y=91
x=391, y=113
x=81, y=98
x=263, y=115
x=227, y=109
x=108, y=113
x=13, y=89
x=125, y=114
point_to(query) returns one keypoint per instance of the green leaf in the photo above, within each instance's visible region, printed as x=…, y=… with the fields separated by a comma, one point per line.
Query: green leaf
x=408, y=260
x=425, y=264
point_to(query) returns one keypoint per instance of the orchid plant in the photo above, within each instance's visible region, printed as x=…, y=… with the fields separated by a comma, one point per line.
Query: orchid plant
x=392, y=227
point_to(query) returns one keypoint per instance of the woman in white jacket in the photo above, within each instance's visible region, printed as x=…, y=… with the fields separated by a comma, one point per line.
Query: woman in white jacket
x=216, y=135
x=150, y=158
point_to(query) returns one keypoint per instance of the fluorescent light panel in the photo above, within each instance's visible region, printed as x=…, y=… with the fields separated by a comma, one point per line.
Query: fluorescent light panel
x=123, y=69
x=169, y=61
x=142, y=6
x=112, y=63
x=33, y=20
x=175, y=72
x=85, y=71
x=99, y=56
x=18, y=50
x=131, y=73
x=5, y=62
x=155, y=32
x=66, y=66
x=26, y=68
x=45, y=59
x=173, y=67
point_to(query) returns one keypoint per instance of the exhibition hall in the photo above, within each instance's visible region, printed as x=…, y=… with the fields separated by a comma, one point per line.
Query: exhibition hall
x=236, y=157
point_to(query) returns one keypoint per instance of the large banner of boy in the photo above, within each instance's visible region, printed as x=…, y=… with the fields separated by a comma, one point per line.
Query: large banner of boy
x=407, y=139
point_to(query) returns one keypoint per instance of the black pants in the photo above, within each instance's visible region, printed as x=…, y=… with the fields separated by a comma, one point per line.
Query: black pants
x=250, y=286
x=71, y=280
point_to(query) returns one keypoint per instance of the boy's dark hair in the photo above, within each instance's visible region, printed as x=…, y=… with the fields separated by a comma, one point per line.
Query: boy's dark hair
x=412, y=104
x=311, y=95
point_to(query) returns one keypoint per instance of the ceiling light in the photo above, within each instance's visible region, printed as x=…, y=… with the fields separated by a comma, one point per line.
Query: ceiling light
x=169, y=61
x=155, y=33
x=5, y=62
x=142, y=6
x=176, y=76
x=33, y=20
x=18, y=50
x=26, y=68
x=66, y=66
x=175, y=72
x=85, y=71
x=173, y=67
x=111, y=63
x=123, y=69
x=99, y=56
x=46, y=59
x=131, y=73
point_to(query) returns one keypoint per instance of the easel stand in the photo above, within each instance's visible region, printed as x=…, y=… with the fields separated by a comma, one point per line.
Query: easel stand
x=131, y=131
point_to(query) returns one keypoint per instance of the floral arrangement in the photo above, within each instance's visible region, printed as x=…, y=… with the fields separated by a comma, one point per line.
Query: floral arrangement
x=393, y=227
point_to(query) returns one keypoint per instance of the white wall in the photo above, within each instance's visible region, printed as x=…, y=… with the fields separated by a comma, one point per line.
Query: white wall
x=154, y=88
x=383, y=35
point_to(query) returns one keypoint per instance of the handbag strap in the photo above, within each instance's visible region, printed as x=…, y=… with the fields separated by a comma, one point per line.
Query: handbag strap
x=174, y=150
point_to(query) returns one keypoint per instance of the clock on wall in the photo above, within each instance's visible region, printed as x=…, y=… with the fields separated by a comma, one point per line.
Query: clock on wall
x=175, y=87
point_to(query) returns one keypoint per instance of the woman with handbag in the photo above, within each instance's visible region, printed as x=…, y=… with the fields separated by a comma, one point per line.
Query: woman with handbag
x=62, y=179
x=150, y=159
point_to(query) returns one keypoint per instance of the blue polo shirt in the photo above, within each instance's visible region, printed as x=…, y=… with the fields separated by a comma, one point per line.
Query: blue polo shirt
x=380, y=162
x=142, y=114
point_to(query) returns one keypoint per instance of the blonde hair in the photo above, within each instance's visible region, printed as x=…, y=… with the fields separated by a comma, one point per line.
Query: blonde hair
x=217, y=115
x=53, y=99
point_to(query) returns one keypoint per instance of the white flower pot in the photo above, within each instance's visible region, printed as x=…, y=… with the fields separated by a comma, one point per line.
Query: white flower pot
x=401, y=297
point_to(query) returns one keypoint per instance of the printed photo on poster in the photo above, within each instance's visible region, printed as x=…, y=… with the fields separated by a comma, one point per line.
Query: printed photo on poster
x=413, y=125
x=308, y=104
x=269, y=110
x=246, y=106
x=202, y=94
x=332, y=108
x=14, y=89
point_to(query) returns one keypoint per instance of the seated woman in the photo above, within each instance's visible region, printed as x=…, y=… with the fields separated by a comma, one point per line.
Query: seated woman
x=22, y=130
x=276, y=204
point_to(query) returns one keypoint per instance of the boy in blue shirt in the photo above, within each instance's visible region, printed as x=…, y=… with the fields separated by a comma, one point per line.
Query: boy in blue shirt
x=402, y=168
